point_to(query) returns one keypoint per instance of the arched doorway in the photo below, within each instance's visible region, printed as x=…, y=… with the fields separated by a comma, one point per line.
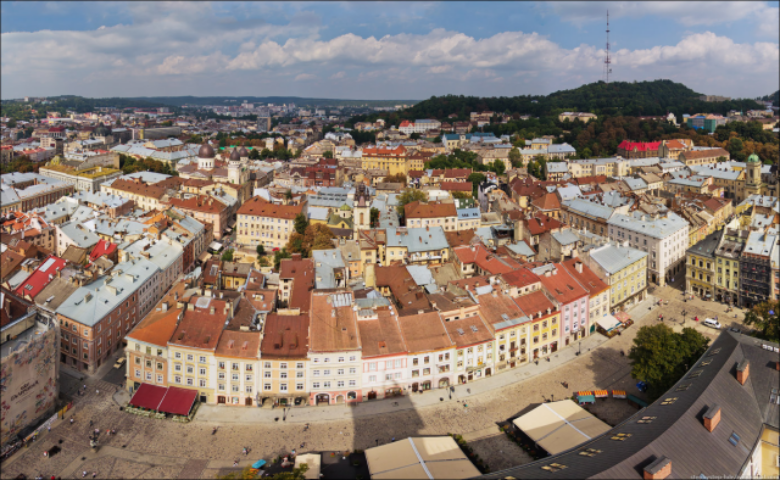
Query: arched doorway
x=426, y=385
x=372, y=395
x=220, y=399
x=322, y=398
x=461, y=379
x=444, y=383
x=340, y=399
x=487, y=372
x=415, y=386
x=248, y=401
x=351, y=396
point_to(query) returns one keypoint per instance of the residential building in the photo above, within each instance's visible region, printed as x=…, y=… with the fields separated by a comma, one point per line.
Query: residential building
x=572, y=116
x=259, y=222
x=757, y=282
x=700, y=278
x=598, y=290
x=629, y=149
x=572, y=299
x=664, y=238
x=385, y=360
x=416, y=245
x=204, y=209
x=703, y=157
x=431, y=214
x=727, y=258
x=284, y=356
x=335, y=356
x=623, y=269
x=544, y=326
x=431, y=351
x=88, y=179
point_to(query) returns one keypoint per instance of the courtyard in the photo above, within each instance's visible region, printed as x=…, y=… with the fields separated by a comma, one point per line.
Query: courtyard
x=148, y=448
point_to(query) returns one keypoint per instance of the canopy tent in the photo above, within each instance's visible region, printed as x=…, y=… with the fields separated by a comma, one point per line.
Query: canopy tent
x=623, y=318
x=560, y=426
x=313, y=461
x=601, y=394
x=583, y=399
x=618, y=394
x=424, y=458
x=608, y=323
x=148, y=396
x=177, y=401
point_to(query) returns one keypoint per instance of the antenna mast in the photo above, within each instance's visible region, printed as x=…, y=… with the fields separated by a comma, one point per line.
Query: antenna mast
x=607, y=61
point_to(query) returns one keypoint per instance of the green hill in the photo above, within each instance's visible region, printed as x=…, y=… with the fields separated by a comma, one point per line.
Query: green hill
x=652, y=98
x=774, y=98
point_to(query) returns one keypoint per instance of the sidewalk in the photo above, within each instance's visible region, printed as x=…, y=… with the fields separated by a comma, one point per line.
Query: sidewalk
x=225, y=414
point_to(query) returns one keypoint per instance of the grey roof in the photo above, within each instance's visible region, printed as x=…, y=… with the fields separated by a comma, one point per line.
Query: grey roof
x=707, y=246
x=588, y=208
x=675, y=430
x=566, y=237
x=8, y=195
x=702, y=171
x=568, y=192
x=469, y=213
x=562, y=148
x=521, y=248
x=421, y=274
x=161, y=252
x=760, y=243
x=318, y=213
x=661, y=227
x=417, y=239
x=635, y=183
x=147, y=177
x=92, y=302
x=644, y=162
x=557, y=167
x=80, y=236
x=325, y=261
x=614, y=258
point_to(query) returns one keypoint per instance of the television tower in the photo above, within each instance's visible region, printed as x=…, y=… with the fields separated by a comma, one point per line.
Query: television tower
x=607, y=61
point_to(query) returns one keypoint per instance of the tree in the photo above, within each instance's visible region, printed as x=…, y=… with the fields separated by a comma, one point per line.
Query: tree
x=475, y=179
x=516, y=158
x=437, y=139
x=765, y=317
x=661, y=357
x=279, y=255
x=260, y=250
x=301, y=222
x=461, y=195
x=414, y=136
x=497, y=166
x=327, y=154
x=410, y=195
x=316, y=237
x=721, y=159
x=397, y=178
x=247, y=474
x=254, y=154
x=288, y=195
x=374, y=213
x=11, y=124
x=227, y=255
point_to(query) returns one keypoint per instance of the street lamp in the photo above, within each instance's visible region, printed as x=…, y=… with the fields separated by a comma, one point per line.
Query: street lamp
x=684, y=313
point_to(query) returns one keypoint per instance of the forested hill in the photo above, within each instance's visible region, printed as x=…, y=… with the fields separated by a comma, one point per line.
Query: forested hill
x=653, y=98
x=774, y=98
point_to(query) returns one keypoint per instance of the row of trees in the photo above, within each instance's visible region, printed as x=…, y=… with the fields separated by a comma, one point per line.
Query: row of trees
x=130, y=164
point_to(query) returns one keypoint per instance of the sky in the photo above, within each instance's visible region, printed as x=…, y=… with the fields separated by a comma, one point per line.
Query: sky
x=381, y=50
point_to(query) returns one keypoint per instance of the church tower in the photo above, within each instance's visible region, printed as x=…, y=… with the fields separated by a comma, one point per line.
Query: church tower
x=753, y=185
x=361, y=217
x=206, y=157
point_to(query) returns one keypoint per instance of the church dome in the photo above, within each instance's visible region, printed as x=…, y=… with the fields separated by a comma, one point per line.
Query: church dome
x=101, y=131
x=206, y=151
x=753, y=159
x=243, y=152
x=234, y=155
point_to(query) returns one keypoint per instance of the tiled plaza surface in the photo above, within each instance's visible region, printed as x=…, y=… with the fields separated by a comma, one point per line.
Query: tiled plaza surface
x=147, y=448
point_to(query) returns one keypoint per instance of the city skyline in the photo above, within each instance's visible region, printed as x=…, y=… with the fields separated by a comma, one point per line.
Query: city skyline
x=384, y=50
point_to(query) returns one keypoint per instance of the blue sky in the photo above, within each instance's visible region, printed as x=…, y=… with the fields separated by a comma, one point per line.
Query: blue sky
x=380, y=50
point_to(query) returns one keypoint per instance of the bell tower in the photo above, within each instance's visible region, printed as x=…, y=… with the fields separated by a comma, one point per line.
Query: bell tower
x=361, y=217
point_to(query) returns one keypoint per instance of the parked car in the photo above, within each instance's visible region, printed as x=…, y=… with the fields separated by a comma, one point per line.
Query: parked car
x=712, y=323
x=734, y=329
x=120, y=361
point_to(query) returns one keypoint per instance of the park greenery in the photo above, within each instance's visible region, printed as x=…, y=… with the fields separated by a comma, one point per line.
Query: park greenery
x=765, y=319
x=410, y=195
x=130, y=164
x=317, y=236
x=660, y=356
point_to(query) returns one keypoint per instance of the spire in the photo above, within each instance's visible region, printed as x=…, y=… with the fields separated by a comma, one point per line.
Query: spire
x=607, y=61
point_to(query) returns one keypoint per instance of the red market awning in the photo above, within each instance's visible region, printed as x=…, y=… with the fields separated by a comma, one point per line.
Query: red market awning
x=178, y=401
x=148, y=396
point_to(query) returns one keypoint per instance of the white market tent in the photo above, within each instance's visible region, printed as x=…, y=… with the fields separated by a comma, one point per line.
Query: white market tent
x=423, y=458
x=560, y=426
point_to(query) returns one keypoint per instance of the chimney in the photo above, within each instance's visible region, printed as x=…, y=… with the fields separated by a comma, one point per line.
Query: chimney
x=578, y=267
x=661, y=468
x=743, y=370
x=712, y=417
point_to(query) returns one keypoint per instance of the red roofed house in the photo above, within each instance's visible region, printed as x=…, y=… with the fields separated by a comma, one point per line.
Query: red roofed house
x=104, y=248
x=392, y=160
x=477, y=260
x=465, y=187
x=542, y=336
x=574, y=301
x=432, y=214
x=629, y=149
x=41, y=277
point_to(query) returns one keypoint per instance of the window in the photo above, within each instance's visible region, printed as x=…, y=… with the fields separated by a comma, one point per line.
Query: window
x=221, y=376
x=283, y=365
x=352, y=371
x=189, y=358
x=248, y=389
x=202, y=359
x=326, y=372
x=190, y=369
x=313, y=385
x=299, y=386
x=283, y=375
x=202, y=382
x=202, y=371
x=299, y=365
x=267, y=365
x=340, y=371
x=159, y=378
x=177, y=379
x=189, y=381
x=266, y=386
x=341, y=359
x=734, y=439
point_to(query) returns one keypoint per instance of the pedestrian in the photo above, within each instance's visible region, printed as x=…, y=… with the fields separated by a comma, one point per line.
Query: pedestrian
x=90, y=423
x=113, y=431
x=97, y=392
x=235, y=463
x=245, y=452
x=94, y=474
x=108, y=432
x=48, y=427
x=84, y=474
x=85, y=387
x=71, y=421
x=392, y=439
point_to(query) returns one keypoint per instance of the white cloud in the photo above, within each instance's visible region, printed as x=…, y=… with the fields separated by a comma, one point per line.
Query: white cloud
x=180, y=48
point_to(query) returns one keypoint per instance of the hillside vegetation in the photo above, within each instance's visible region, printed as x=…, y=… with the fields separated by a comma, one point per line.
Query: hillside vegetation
x=651, y=98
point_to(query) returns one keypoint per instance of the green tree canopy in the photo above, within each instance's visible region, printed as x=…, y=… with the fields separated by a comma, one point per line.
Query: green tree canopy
x=765, y=318
x=317, y=236
x=227, y=255
x=301, y=222
x=410, y=195
x=660, y=356
x=374, y=217
x=516, y=158
x=279, y=255
x=260, y=250
x=327, y=154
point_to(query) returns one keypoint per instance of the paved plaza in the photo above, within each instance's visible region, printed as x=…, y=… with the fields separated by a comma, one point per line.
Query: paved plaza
x=147, y=448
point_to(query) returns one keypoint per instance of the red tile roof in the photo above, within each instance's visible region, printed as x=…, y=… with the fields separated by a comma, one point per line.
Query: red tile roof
x=260, y=207
x=562, y=286
x=285, y=336
x=424, y=332
x=429, y=210
x=456, y=186
x=520, y=278
x=534, y=303
x=587, y=278
x=639, y=146
x=41, y=277
x=103, y=247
